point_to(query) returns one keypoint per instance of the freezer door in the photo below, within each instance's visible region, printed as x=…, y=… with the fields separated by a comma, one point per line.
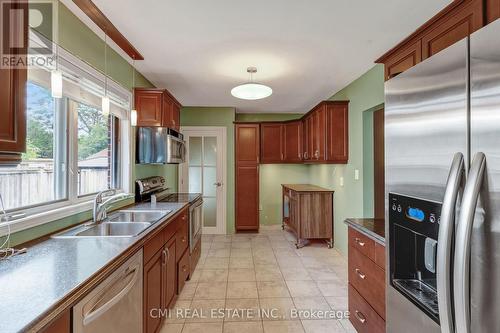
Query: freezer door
x=425, y=126
x=485, y=137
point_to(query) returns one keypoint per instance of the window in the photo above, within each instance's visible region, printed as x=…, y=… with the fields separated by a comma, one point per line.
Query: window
x=98, y=150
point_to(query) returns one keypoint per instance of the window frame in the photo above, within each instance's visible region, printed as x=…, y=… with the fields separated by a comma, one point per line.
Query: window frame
x=30, y=216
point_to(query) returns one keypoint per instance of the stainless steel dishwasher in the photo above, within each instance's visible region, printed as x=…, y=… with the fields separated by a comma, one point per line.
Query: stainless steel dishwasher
x=115, y=305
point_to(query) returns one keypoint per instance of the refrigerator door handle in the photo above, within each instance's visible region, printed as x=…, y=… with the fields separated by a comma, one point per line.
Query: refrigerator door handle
x=461, y=272
x=456, y=181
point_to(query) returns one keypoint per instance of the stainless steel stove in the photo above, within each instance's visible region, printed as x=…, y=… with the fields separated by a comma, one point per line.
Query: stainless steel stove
x=154, y=189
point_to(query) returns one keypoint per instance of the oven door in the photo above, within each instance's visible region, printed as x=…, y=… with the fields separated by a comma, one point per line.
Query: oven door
x=195, y=223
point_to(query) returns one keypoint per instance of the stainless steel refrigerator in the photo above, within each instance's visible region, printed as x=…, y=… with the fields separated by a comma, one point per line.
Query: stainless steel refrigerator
x=442, y=121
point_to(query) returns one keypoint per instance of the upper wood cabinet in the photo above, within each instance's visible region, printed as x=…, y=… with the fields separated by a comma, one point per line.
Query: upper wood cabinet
x=157, y=107
x=13, y=98
x=492, y=10
x=292, y=141
x=337, y=129
x=402, y=60
x=452, y=27
x=455, y=22
x=61, y=324
x=271, y=143
x=247, y=143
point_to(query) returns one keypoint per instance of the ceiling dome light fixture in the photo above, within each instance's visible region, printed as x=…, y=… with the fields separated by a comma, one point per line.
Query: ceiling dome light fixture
x=251, y=90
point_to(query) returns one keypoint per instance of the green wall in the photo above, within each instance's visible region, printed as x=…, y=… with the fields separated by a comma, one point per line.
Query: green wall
x=365, y=95
x=224, y=117
x=81, y=41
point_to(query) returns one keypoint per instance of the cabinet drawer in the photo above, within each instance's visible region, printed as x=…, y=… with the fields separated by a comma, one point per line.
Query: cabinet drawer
x=362, y=243
x=362, y=316
x=181, y=237
x=195, y=255
x=380, y=255
x=153, y=246
x=368, y=279
x=183, y=271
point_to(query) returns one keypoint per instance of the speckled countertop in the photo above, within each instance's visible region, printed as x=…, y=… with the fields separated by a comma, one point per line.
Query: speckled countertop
x=373, y=228
x=36, y=284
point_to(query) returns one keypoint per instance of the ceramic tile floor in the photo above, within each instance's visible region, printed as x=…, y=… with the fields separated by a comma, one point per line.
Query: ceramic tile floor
x=240, y=274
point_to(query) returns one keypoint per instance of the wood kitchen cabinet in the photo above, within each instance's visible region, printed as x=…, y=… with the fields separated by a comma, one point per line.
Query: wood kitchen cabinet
x=271, y=143
x=153, y=291
x=13, y=99
x=292, y=142
x=160, y=274
x=308, y=212
x=247, y=148
x=337, y=132
x=455, y=22
x=157, y=107
x=62, y=324
x=366, y=274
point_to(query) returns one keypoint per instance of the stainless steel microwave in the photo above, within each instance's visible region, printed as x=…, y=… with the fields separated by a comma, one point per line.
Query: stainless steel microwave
x=159, y=145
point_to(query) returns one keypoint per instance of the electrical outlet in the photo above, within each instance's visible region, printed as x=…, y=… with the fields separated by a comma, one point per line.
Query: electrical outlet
x=341, y=181
x=356, y=174
x=260, y=207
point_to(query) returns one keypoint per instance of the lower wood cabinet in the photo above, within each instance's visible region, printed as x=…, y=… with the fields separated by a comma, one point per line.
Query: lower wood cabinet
x=161, y=269
x=366, y=271
x=170, y=273
x=153, y=292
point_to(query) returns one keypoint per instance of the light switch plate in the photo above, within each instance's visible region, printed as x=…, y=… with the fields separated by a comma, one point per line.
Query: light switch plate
x=342, y=181
x=356, y=174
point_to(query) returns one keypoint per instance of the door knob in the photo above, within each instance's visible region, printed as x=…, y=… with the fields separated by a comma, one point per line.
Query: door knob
x=218, y=184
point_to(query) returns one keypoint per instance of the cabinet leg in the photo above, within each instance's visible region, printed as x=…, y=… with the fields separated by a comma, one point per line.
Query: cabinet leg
x=283, y=227
x=330, y=243
x=298, y=244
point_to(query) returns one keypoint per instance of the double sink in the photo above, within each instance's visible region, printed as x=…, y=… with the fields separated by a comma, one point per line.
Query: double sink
x=122, y=223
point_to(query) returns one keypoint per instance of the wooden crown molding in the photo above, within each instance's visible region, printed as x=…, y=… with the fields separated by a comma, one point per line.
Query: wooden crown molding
x=95, y=14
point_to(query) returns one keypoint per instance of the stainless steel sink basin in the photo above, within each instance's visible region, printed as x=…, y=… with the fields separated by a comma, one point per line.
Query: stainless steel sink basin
x=123, y=223
x=105, y=229
x=138, y=215
x=118, y=229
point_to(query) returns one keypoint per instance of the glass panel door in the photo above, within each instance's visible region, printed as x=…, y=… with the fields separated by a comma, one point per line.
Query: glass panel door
x=203, y=174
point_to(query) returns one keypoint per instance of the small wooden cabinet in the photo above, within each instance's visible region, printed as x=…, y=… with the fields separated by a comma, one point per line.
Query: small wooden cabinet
x=247, y=147
x=272, y=143
x=157, y=107
x=337, y=132
x=308, y=212
x=366, y=268
x=292, y=142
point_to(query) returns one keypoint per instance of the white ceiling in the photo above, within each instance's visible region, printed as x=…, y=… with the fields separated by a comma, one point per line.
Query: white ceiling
x=306, y=50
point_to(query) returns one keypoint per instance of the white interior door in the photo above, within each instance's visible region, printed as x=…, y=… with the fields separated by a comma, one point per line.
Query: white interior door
x=205, y=172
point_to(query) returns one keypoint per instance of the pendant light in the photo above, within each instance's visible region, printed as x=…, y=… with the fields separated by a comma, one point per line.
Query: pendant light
x=133, y=112
x=105, y=99
x=251, y=90
x=56, y=78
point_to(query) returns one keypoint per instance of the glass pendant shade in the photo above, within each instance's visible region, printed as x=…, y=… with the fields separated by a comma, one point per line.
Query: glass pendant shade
x=105, y=106
x=133, y=118
x=251, y=91
x=56, y=83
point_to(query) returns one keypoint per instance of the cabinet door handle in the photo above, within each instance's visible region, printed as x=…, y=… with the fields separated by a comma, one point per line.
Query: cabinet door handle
x=359, y=316
x=183, y=239
x=163, y=257
x=300, y=156
x=184, y=268
x=184, y=217
x=360, y=274
x=316, y=154
x=360, y=243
